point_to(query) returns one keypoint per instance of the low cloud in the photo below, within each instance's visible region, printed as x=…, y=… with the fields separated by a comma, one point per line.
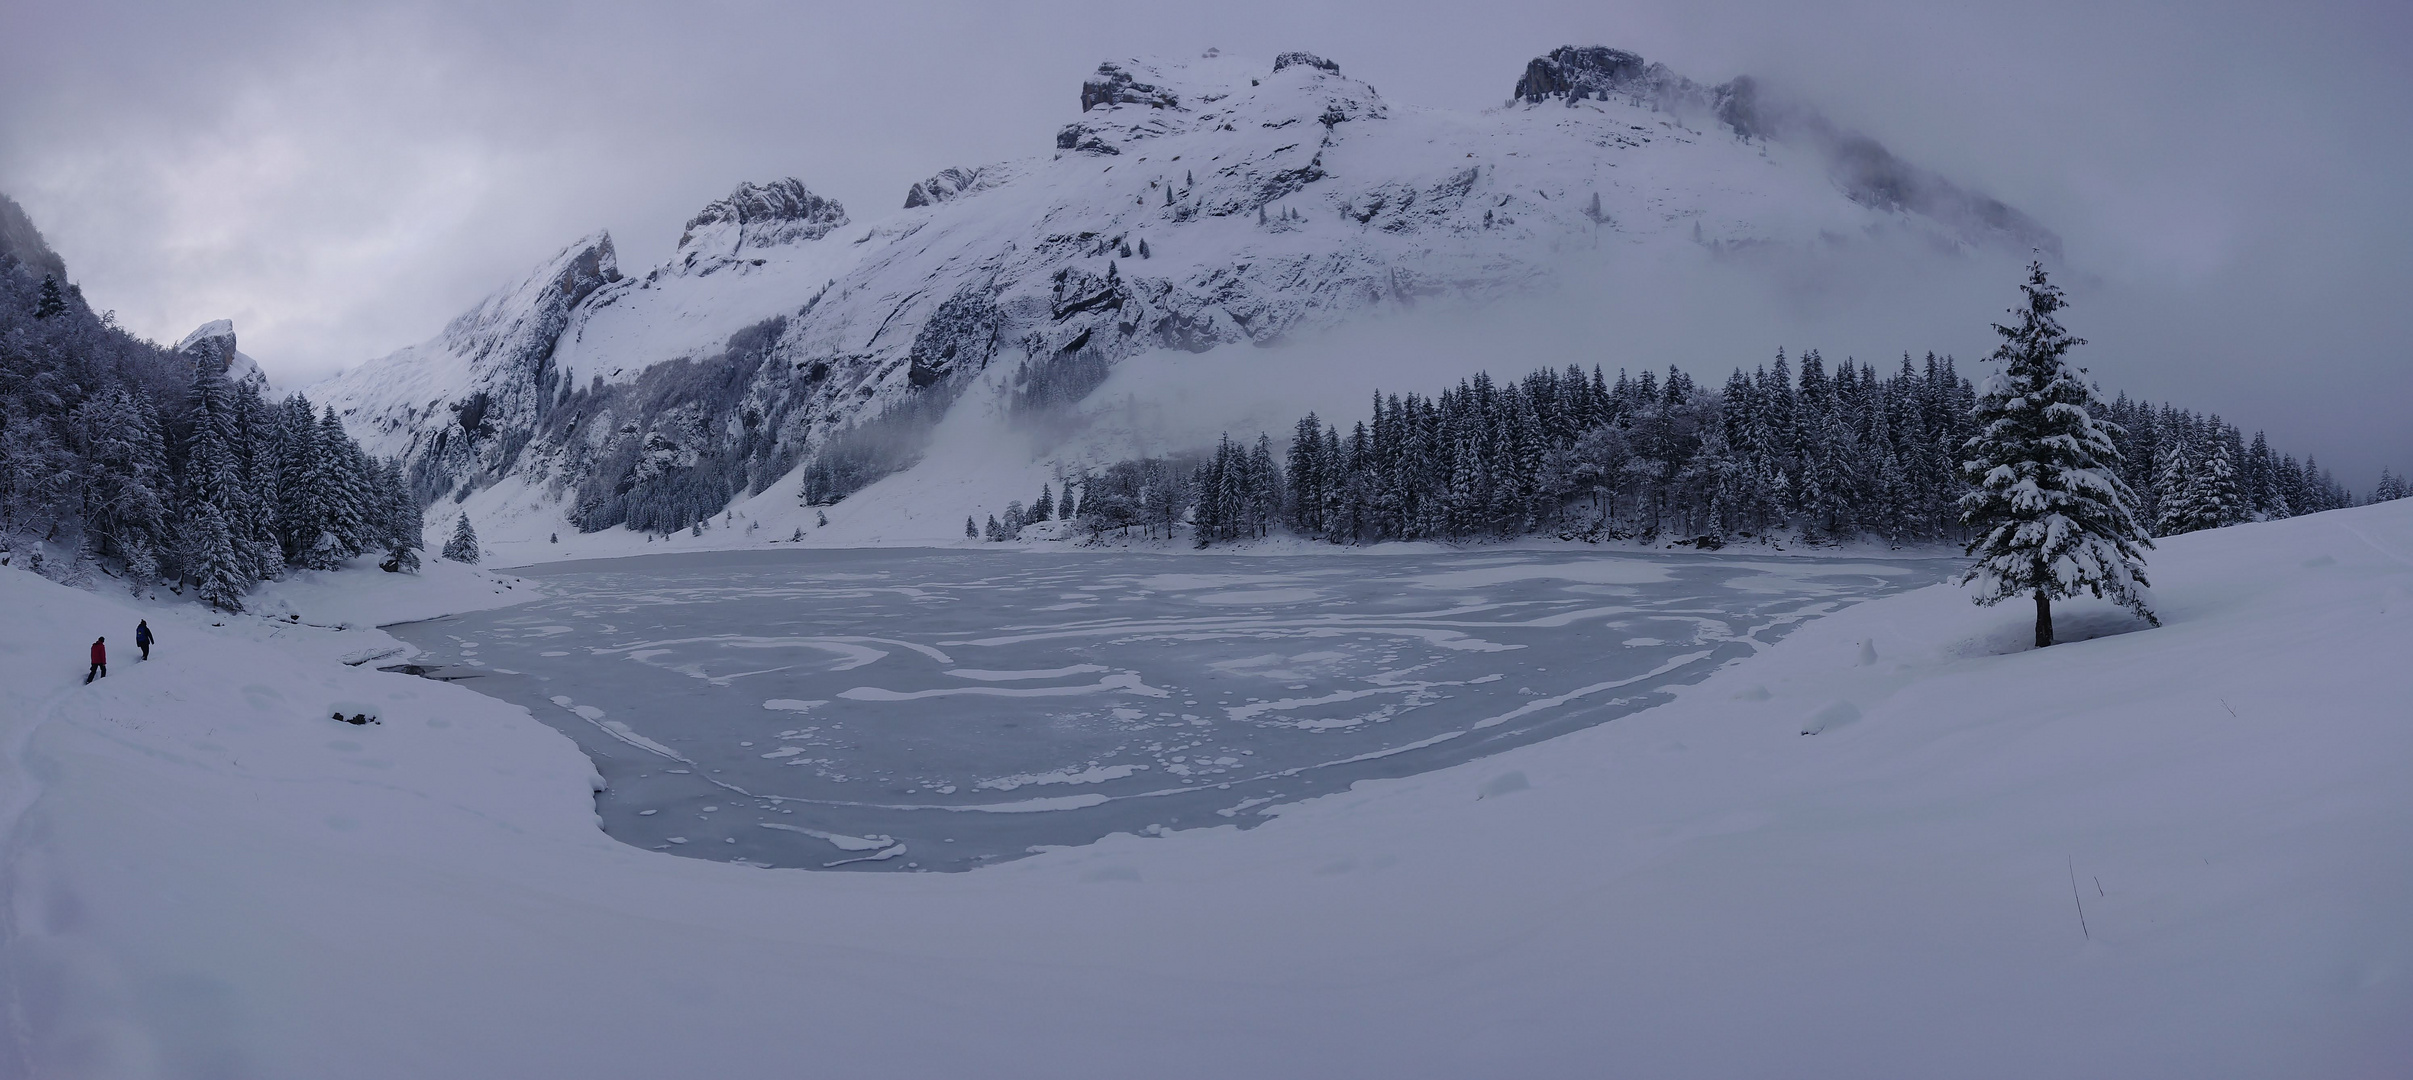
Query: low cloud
x=340, y=180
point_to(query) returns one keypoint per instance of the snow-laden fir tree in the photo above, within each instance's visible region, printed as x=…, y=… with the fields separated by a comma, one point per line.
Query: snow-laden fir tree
x=53, y=303
x=209, y=558
x=2050, y=512
x=463, y=547
x=402, y=520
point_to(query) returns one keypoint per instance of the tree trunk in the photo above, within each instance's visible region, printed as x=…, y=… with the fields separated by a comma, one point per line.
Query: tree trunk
x=2044, y=620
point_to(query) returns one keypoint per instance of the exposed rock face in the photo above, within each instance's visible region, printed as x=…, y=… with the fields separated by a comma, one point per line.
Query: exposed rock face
x=1599, y=72
x=1113, y=85
x=1307, y=58
x=760, y=216
x=212, y=346
x=950, y=183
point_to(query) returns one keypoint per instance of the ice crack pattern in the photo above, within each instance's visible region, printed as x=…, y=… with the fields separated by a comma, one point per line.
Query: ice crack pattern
x=905, y=710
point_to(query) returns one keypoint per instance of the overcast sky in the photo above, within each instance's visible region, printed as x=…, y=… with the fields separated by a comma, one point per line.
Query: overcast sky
x=2234, y=183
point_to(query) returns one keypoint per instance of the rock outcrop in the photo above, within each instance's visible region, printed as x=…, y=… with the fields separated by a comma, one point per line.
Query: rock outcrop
x=950, y=183
x=212, y=346
x=757, y=216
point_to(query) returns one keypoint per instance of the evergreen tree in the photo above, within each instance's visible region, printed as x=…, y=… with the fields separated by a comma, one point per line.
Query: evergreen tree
x=1045, y=508
x=2173, y=483
x=2050, y=510
x=2220, y=494
x=52, y=304
x=971, y=531
x=301, y=512
x=210, y=562
x=402, y=524
x=125, y=512
x=463, y=547
x=339, y=474
x=254, y=523
x=208, y=552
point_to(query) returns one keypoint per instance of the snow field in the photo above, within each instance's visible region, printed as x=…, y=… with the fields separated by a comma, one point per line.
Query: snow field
x=203, y=877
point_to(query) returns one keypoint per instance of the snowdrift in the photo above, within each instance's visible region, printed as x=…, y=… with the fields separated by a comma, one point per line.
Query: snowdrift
x=2184, y=852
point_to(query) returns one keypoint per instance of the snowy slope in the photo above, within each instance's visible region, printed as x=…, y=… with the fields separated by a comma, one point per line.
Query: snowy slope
x=204, y=876
x=1191, y=208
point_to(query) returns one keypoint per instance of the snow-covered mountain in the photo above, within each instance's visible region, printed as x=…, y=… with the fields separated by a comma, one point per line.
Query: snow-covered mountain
x=1189, y=206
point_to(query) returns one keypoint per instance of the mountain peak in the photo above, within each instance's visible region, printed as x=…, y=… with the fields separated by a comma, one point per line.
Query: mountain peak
x=1114, y=84
x=1597, y=71
x=783, y=211
x=1130, y=100
x=1307, y=58
x=213, y=344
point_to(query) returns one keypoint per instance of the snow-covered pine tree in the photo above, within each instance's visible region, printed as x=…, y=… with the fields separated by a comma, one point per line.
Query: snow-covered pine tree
x=463, y=547
x=971, y=530
x=343, y=492
x=126, y=466
x=402, y=523
x=301, y=512
x=2050, y=511
x=207, y=548
x=1045, y=507
x=52, y=303
x=210, y=562
x=2174, y=486
x=254, y=523
x=2222, y=496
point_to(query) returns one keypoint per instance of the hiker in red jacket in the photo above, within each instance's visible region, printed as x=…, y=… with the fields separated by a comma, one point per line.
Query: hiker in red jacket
x=100, y=660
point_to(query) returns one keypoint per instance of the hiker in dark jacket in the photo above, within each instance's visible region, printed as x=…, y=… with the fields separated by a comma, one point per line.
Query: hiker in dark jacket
x=143, y=638
x=100, y=661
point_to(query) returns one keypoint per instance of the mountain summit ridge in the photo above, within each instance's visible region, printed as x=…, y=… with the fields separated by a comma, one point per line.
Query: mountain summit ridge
x=1187, y=206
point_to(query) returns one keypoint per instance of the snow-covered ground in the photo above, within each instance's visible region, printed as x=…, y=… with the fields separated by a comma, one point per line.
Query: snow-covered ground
x=2185, y=852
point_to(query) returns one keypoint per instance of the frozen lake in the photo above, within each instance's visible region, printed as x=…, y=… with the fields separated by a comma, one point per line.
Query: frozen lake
x=938, y=710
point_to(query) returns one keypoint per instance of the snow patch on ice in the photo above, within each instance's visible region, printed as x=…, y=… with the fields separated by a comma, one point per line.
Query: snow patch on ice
x=1095, y=774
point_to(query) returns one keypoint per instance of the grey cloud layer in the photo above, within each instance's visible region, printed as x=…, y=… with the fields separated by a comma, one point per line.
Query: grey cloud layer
x=2228, y=180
